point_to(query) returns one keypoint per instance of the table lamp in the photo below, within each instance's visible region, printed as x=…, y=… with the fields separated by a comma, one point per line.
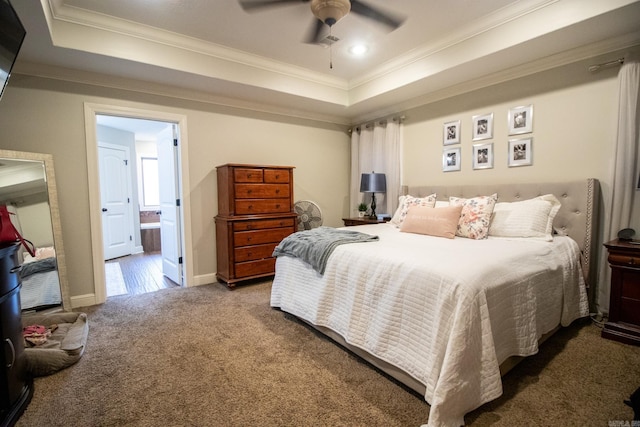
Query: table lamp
x=373, y=183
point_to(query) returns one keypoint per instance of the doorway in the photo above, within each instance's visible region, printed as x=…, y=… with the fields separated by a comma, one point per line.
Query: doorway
x=139, y=205
x=140, y=125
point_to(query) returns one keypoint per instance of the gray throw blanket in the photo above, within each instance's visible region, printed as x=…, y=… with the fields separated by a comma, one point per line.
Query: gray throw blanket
x=47, y=264
x=314, y=246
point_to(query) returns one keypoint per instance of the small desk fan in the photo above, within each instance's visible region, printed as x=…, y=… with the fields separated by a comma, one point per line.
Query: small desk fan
x=309, y=214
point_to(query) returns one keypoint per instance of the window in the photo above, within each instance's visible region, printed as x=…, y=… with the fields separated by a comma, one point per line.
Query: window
x=150, y=187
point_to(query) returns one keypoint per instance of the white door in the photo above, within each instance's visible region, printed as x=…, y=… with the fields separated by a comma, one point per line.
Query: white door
x=169, y=204
x=114, y=169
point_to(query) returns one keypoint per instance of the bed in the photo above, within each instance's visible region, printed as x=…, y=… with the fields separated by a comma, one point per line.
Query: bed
x=440, y=314
x=40, y=280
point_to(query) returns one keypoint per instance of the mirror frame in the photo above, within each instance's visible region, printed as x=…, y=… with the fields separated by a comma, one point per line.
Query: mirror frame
x=52, y=191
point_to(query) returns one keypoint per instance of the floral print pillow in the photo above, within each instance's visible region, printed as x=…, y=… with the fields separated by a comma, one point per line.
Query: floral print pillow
x=476, y=215
x=407, y=202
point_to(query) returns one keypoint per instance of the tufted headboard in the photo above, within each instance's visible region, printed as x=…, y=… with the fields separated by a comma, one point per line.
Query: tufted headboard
x=576, y=218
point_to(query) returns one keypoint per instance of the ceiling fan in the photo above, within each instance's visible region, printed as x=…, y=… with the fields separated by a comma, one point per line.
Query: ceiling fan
x=328, y=12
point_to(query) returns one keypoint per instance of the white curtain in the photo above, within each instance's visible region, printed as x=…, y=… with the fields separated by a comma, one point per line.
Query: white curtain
x=626, y=168
x=377, y=147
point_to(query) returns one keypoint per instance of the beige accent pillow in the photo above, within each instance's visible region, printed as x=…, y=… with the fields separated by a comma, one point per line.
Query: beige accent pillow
x=439, y=222
x=528, y=218
x=476, y=215
x=406, y=202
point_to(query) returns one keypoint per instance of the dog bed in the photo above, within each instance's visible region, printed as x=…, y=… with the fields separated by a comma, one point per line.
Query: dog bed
x=62, y=348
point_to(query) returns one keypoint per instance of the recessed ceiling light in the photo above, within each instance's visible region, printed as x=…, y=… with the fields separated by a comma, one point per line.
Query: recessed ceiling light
x=358, y=49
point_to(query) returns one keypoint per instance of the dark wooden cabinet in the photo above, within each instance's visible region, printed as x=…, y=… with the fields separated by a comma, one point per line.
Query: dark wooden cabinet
x=623, y=323
x=16, y=387
x=348, y=222
x=255, y=212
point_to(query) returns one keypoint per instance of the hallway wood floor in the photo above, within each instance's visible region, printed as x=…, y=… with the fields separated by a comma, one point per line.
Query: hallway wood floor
x=142, y=273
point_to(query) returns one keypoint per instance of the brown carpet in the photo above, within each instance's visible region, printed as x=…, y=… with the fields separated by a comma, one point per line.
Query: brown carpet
x=207, y=356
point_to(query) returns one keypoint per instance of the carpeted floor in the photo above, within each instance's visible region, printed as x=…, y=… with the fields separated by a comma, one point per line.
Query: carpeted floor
x=207, y=356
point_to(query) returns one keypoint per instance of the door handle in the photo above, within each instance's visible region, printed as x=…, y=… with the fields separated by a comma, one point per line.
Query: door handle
x=104, y=209
x=13, y=353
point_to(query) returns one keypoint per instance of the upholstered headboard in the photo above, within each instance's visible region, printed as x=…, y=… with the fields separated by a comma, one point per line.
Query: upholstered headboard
x=576, y=218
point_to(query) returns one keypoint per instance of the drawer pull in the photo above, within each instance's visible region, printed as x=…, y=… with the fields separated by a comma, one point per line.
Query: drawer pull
x=249, y=191
x=632, y=261
x=249, y=227
x=278, y=206
x=278, y=191
x=13, y=353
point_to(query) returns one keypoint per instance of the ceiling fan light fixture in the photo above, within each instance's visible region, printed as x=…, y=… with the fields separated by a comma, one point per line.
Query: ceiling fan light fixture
x=330, y=11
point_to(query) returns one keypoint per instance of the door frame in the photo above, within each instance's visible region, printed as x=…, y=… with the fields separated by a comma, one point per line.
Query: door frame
x=91, y=110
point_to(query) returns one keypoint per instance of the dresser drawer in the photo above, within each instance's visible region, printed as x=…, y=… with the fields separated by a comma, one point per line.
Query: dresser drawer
x=255, y=268
x=250, y=253
x=259, y=191
x=259, y=237
x=247, y=175
x=9, y=267
x=262, y=206
x=262, y=224
x=276, y=175
x=624, y=259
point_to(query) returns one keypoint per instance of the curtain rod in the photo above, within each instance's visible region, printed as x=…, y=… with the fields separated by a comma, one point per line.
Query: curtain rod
x=379, y=121
x=597, y=67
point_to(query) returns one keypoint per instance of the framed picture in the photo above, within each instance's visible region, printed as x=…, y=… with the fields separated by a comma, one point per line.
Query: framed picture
x=483, y=156
x=451, y=133
x=520, y=152
x=451, y=159
x=482, y=127
x=521, y=120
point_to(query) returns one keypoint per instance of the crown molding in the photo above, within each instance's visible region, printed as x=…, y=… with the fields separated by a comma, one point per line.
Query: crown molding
x=150, y=88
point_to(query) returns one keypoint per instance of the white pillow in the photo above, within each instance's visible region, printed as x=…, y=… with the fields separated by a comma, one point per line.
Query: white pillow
x=405, y=202
x=442, y=204
x=528, y=218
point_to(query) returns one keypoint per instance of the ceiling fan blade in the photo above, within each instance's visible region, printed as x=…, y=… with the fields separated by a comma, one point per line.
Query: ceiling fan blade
x=314, y=35
x=250, y=5
x=375, y=14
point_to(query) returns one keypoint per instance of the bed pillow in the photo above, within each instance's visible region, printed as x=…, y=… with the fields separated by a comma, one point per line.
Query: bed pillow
x=528, y=218
x=406, y=202
x=476, y=215
x=441, y=204
x=439, y=222
x=45, y=252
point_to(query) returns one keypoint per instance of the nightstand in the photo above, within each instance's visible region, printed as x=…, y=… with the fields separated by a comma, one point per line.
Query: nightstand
x=348, y=222
x=624, y=302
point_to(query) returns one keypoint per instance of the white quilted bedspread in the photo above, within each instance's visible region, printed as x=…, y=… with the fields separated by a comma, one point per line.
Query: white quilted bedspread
x=446, y=311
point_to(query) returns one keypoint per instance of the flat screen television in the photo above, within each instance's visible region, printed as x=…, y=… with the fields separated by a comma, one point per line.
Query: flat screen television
x=12, y=35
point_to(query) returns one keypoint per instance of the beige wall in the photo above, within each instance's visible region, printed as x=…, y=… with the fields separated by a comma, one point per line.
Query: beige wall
x=573, y=135
x=47, y=116
x=574, y=129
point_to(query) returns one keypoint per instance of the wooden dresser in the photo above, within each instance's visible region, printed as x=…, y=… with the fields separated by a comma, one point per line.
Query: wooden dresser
x=624, y=302
x=16, y=386
x=255, y=212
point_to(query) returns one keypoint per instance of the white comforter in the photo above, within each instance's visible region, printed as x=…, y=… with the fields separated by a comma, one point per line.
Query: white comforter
x=446, y=311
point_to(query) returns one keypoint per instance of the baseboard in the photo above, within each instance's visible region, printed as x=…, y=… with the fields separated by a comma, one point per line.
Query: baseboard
x=90, y=299
x=204, y=279
x=83, y=300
